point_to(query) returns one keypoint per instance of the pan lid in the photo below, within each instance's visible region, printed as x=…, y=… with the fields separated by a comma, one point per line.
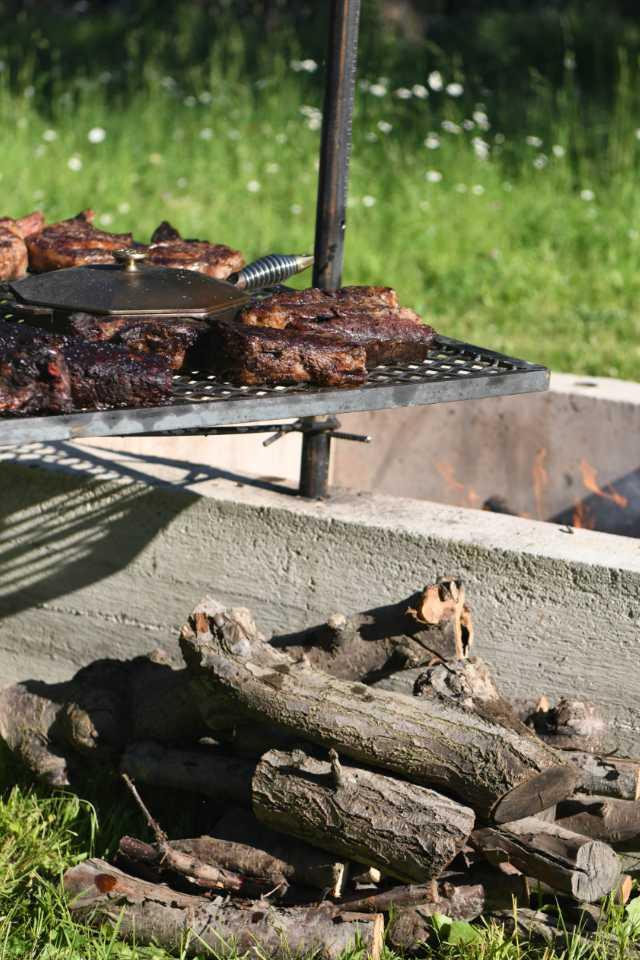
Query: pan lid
x=129, y=287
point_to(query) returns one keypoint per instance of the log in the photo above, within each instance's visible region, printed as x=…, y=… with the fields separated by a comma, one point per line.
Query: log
x=407, y=831
x=606, y=776
x=383, y=901
x=237, y=675
x=574, y=725
x=186, y=860
x=292, y=861
x=147, y=913
x=614, y=821
x=204, y=769
x=412, y=926
x=434, y=623
x=470, y=684
x=577, y=866
x=55, y=729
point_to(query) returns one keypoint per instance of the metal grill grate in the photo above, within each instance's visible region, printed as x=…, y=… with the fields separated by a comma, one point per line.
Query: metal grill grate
x=452, y=371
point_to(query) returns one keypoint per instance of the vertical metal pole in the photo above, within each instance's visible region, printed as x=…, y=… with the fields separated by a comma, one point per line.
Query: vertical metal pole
x=335, y=150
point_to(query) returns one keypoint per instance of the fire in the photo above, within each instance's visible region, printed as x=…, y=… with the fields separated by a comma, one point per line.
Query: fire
x=582, y=516
x=468, y=495
x=540, y=479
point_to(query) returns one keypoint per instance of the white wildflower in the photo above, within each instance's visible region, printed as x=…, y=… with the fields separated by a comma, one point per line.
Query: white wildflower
x=106, y=219
x=433, y=176
x=182, y=183
x=295, y=209
x=435, y=80
x=638, y=134
x=168, y=83
x=74, y=163
x=450, y=127
x=253, y=186
x=569, y=61
x=314, y=123
x=558, y=150
x=481, y=119
x=124, y=207
x=420, y=91
x=384, y=126
x=272, y=167
x=96, y=135
x=478, y=189
x=480, y=148
x=29, y=90
x=309, y=66
x=432, y=142
x=402, y=93
x=190, y=101
x=50, y=135
x=378, y=90
x=533, y=141
x=587, y=195
x=206, y=133
x=205, y=97
x=155, y=159
x=368, y=200
x=371, y=137
x=540, y=161
x=468, y=125
x=280, y=138
x=455, y=89
x=460, y=188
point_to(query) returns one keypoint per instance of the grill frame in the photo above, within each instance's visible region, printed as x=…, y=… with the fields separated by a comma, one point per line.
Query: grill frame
x=453, y=371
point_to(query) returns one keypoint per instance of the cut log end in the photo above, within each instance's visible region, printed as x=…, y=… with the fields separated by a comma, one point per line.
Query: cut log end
x=597, y=872
x=536, y=794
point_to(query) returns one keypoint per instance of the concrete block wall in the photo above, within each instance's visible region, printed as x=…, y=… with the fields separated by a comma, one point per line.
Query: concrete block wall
x=104, y=554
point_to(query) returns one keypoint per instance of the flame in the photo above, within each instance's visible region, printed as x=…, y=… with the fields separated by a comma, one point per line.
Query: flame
x=582, y=518
x=468, y=497
x=540, y=479
x=590, y=480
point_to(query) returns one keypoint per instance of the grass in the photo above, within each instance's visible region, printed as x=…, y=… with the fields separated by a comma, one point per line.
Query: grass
x=42, y=835
x=515, y=229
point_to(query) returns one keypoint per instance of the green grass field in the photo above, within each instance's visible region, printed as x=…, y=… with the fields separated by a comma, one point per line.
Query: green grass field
x=514, y=225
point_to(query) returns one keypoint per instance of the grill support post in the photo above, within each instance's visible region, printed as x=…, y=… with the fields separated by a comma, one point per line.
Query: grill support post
x=335, y=150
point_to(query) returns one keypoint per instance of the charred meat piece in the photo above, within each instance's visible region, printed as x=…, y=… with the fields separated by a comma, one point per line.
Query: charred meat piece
x=24, y=226
x=104, y=375
x=365, y=316
x=14, y=259
x=168, y=249
x=34, y=377
x=72, y=243
x=256, y=355
x=179, y=339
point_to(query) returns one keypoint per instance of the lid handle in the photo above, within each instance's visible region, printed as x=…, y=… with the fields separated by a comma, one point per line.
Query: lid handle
x=129, y=258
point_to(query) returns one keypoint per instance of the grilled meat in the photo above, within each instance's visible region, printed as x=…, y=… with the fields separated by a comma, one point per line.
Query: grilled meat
x=14, y=259
x=168, y=249
x=72, y=243
x=369, y=317
x=257, y=355
x=178, y=339
x=24, y=226
x=104, y=375
x=34, y=377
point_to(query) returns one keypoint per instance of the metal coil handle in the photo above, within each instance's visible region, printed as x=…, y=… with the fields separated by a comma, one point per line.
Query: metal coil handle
x=269, y=270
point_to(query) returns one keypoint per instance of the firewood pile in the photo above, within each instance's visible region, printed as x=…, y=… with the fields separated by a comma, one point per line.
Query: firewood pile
x=366, y=775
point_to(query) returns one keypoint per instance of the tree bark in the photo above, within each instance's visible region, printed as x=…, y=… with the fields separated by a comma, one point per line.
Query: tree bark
x=613, y=821
x=237, y=675
x=405, y=830
x=433, y=624
x=293, y=861
x=582, y=868
x=470, y=684
x=606, y=776
x=204, y=769
x=152, y=913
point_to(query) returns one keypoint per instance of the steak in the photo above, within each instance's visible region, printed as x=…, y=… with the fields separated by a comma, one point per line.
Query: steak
x=24, y=226
x=178, y=339
x=73, y=243
x=259, y=355
x=49, y=373
x=14, y=258
x=168, y=249
x=370, y=317
x=34, y=376
x=104, y=375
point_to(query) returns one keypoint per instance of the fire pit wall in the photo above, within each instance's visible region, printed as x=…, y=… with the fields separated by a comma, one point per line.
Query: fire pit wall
x=103, y=554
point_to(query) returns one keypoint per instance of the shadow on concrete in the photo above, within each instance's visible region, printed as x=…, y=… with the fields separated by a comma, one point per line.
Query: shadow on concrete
x=83, y=517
